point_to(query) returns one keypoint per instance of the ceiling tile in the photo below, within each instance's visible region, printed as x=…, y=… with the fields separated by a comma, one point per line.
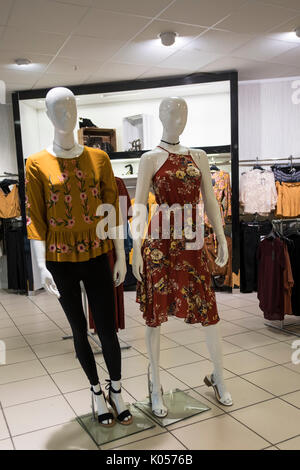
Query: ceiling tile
x=84, y=3
x=110, y=25
x=222, y=42
x=201, y=12
x=112, y=71
x=293, y=4
x=190, y=59
x=144, y=53
x=256, y=18
x=186, y=33
x=289, y=58
x=46, y=15
x=31, y=41
x=10, y=87
x=136, y=7
x=5, y=7
x=18, y=76
x=263, y=49
x=286, y=31
x=53, y=80
x=66, y=66
x=162, y=72
x=93, y=48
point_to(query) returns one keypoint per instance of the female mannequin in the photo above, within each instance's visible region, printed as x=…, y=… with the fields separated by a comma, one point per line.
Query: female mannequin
x=66, y=156
x=173, y=115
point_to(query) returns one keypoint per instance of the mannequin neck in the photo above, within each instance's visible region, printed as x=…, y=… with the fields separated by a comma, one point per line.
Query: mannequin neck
x=64, y=145
x=168, y=140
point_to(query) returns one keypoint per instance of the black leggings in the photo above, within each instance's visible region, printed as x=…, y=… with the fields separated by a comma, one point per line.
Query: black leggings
x=97, y=279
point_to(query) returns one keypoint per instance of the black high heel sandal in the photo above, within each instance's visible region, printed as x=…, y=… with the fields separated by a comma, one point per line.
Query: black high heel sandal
x=104, y=416
x=121, y=418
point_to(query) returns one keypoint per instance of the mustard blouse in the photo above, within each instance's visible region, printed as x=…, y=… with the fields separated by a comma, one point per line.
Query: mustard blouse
x=62, y=196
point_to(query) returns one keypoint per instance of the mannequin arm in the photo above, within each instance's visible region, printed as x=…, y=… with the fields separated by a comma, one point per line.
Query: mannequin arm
x=141, y=198
x=116, y=235
x=39, y=249
x=212, y=208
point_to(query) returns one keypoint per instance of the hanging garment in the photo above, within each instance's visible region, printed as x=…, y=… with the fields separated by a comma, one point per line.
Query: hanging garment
x=250, y=233
x=175, y=281
x=294, y=251
x=275, y=280
x=288, y=203
x=286, y=173
x=10, y=203
x=211, y=249
x=222, y=190
x=6, y=183
x=16, y=263
x=62, y=198
x=258, y=193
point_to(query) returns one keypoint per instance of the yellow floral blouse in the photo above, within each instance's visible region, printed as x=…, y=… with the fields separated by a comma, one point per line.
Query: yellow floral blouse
x=62, y=196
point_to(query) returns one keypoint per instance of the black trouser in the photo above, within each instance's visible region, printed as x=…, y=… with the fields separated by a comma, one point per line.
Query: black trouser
x=249, y=241
x=97, y=279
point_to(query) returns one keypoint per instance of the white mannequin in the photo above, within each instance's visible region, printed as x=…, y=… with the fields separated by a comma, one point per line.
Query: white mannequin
x=173, y=115
x=62, y=112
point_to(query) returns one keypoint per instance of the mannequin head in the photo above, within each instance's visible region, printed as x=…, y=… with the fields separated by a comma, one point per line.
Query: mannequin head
x=61, y=109
x=173, y=115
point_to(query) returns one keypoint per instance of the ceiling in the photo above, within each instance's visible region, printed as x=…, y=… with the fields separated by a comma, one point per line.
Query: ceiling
x=73, y=42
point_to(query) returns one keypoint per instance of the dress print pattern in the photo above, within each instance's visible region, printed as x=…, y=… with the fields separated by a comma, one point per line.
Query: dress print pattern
x=176, y=281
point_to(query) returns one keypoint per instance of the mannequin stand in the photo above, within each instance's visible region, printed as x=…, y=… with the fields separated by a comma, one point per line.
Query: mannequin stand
x=180, y=406
x=89, y=333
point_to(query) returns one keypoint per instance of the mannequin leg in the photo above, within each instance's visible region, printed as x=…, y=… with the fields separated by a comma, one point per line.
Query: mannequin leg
x=98, y=283
x=214, y=345
x=153, y=348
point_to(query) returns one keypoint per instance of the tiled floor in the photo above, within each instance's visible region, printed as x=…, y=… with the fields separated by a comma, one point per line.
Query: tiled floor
x=42, y=387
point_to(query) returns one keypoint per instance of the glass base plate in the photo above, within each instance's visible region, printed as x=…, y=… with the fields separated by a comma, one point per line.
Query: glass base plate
x=102, y=435
x=180, y=405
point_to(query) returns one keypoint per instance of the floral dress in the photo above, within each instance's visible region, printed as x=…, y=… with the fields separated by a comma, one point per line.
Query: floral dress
x=176, y=280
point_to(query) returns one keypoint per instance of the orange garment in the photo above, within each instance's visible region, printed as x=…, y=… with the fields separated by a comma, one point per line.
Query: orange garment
x=288, y=202
x=222, y=190
x=211, y=249
x=62, y=198
x=10, y=204
x=288, y=283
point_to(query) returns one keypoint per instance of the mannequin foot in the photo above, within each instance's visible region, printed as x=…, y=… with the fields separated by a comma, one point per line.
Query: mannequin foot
x=159, y=409
x=222, y=395
x=116, y=401
x=105, y=418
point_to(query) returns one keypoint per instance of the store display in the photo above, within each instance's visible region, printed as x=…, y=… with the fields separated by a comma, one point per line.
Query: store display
x=64, y=190
x=172, y=276
x=288, y=203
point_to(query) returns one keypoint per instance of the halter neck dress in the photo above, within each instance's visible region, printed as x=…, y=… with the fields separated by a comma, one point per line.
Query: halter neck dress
x=176, y=281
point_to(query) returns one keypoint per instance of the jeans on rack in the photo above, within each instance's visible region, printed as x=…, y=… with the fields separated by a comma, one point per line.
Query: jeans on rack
x=249, y=241
x=97, y=279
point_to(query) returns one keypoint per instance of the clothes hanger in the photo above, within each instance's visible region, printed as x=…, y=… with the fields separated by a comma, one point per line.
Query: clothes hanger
x=213, y=166
x=257, y=166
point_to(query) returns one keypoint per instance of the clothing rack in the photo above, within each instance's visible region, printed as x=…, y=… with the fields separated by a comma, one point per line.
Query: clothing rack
x=278, y=224
x=266, y=161
x=6, y=174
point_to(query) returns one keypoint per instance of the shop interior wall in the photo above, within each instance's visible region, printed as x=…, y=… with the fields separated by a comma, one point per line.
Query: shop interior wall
x=269, y=119
x=208, y=121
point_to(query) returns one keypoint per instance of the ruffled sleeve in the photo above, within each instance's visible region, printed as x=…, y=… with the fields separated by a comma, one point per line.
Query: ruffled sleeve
x=35, y=203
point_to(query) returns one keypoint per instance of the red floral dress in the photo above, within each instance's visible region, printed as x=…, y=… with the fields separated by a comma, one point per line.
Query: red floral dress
x=176, y=280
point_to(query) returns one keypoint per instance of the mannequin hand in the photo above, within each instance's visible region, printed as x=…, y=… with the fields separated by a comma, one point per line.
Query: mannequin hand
x=48, y=282
x=137, y=264
x=222, y=257
x=120, y=268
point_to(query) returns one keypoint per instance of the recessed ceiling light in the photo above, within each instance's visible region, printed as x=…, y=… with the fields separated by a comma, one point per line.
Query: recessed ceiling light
x=22, y=61
x=297, y=31
x=168, y=38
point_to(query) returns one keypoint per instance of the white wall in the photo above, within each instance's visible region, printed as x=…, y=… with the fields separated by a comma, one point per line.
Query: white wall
x=269, y=120
x=29, y=129
x=8, y=158
x=208, y=120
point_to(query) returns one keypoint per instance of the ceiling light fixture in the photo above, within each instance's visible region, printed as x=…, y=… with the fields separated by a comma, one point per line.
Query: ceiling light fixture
x=22, y=61
x=168, y=38
x=297, y=31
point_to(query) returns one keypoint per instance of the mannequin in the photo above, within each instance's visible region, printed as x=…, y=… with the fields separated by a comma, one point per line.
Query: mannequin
x=62, y=112
x=173, y=115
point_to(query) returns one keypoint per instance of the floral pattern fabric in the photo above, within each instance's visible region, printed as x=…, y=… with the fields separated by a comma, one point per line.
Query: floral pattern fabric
x=176, y=280
x=62, y=197
x=222, y=190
